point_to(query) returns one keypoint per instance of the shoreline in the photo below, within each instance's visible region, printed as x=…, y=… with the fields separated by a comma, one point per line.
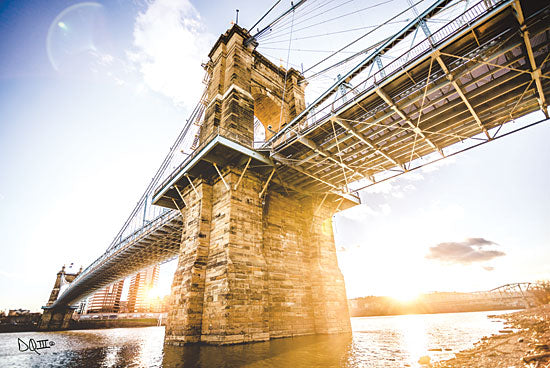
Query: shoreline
x=437, y=312
x=525, y=342
x=105, y=323
x=90, y=324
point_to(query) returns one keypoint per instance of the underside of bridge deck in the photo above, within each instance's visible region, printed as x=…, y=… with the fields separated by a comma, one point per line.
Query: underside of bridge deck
x=463, y=82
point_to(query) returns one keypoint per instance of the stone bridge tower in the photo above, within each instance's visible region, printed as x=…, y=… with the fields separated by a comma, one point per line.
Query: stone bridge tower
x=58, y=318
x=243, y=84
x=257, y=259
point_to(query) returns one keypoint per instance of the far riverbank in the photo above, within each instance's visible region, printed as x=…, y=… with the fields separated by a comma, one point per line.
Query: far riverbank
x=87, y=324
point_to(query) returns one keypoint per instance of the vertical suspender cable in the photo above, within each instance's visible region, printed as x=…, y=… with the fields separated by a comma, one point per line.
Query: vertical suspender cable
x=286, y=72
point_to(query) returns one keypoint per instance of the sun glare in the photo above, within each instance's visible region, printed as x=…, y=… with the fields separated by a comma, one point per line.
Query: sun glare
x=405, y=296
x=153, y=293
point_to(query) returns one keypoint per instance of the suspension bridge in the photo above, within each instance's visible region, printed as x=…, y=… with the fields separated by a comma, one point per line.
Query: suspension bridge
x=456, y=76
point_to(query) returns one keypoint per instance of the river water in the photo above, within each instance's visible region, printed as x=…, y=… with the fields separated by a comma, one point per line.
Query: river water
x=392, y=341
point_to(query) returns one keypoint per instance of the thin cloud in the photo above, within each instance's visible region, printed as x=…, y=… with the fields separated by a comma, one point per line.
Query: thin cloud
x=8, y=275
x=479, y=242
x=385, y=209
x=434, y=166
x=170, y=42
x=469, y=251
x=395, y=187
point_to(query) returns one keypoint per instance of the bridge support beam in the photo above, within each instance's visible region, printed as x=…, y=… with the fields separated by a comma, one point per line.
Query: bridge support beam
x=54, y=319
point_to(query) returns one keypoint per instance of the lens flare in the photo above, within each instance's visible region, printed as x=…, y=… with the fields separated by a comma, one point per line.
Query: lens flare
x=76, y=36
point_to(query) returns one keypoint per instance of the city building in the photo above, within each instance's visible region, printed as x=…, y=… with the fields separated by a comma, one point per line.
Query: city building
x=141, y=296
x=81, y=308
x=106, y=300
x=18, y=312
x=123, y=306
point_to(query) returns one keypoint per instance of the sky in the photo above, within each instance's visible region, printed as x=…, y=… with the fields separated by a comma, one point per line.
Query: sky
x=92, y=95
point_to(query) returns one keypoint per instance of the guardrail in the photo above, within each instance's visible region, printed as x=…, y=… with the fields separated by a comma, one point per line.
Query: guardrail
x=324, y=110
x=239, y=138
x=166, y=215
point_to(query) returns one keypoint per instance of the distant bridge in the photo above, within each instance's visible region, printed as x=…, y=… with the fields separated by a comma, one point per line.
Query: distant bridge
x=509, y=296
x=519, y=295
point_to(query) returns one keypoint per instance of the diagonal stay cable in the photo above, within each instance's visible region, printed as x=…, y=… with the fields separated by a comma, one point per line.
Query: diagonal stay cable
x=286, y=75
x=340, y=155
x=284, y=25
x=421, y=107
x=363, y=36
x=277, y=33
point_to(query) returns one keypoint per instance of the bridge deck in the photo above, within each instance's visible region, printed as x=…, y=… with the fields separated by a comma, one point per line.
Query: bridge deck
x=465, y=81
x=159, y=241
x=219, y=150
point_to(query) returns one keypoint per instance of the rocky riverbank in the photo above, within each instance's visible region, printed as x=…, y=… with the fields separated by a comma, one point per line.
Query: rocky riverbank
x=524, y=343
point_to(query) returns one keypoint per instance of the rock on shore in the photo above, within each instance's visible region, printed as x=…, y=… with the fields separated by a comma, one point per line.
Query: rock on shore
x=524, y=343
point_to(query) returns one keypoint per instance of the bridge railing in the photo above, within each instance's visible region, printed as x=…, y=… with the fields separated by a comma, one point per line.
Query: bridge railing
x=217, y=131
x=126, y=242
x=163, y=215
x=145, y=216
x=129, y=315
x=363, y=84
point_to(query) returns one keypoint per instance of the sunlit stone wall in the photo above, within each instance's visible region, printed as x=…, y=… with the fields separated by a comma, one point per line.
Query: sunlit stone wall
x=253, y=268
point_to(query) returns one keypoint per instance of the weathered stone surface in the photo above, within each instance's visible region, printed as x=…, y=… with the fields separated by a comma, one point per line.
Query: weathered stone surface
x=253, y=268
x=243, y=84
x=185, y=315
x=57, y=318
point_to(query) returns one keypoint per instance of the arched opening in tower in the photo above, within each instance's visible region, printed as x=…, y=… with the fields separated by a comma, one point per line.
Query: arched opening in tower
x=267, y=111
x=259, y=133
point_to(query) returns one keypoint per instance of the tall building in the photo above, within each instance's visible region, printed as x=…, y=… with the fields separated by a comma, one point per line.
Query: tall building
x=106, y=300
x=139, y=295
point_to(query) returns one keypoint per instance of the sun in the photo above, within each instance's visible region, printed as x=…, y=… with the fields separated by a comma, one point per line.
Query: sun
x=153, y=293
x=405, y=296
